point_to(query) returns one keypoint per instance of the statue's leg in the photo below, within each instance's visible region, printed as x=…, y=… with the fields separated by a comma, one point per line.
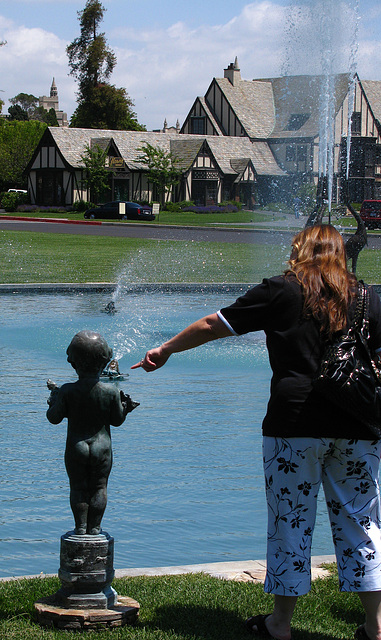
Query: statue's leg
x=100, y=471
x=97, y=506
x=76, y=462
x=79, y=502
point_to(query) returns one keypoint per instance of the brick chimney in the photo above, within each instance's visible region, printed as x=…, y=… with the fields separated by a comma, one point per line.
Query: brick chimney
x=233, y=73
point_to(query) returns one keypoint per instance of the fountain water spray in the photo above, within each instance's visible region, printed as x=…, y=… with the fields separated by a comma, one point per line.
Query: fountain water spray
x=328, y=30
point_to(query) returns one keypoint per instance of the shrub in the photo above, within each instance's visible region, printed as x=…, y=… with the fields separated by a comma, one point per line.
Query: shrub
x=231, y=203
x=81, y=205
x=11, y=200
x=178, y=206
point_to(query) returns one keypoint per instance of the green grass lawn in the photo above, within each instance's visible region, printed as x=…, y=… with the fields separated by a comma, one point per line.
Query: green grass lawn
x=188, y=607
x=40, y=257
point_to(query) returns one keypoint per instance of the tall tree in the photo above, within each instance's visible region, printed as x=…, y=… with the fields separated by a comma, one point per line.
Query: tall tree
x=17, y=113
x=106, y=108
x=25, y=107
x=91, y=62
x=90, y=59
x=18, y=141
x=27, y=102
x=97, y=176
x=163, y=168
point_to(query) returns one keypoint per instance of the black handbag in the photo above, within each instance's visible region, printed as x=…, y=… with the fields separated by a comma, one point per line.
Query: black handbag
x=349, y=375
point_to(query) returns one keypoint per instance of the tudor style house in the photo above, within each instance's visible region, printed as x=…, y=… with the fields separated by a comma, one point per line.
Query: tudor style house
x=248, y=140
x=213, y=168
x=285, y=113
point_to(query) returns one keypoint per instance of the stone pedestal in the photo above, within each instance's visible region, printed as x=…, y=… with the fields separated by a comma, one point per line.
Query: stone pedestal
x=86, y=571
x=86, y=598
x=49, y=614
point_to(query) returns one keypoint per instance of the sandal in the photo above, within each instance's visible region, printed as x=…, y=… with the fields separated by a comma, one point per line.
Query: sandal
x=361, y=634
x=259, y=622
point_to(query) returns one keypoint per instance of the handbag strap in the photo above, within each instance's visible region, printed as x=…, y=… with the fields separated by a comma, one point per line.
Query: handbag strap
x=363, y=328
x=361, y=312
x=361, y=322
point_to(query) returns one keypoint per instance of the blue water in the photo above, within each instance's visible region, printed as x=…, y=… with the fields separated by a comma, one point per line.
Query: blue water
x=186, y=485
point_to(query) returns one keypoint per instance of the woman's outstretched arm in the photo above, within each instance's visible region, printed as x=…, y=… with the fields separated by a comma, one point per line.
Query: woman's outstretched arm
x=204, y=330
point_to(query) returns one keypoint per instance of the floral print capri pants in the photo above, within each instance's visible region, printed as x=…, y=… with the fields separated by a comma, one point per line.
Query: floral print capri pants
x=348, y=470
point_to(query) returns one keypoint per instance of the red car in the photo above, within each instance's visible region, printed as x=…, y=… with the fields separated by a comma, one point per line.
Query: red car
x=370, y=213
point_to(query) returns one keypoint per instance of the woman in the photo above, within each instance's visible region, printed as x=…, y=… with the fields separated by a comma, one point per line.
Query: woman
x=306, y=440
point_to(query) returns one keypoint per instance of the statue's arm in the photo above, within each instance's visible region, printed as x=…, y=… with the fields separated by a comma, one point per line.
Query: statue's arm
x=57, y=405
x=122, y=405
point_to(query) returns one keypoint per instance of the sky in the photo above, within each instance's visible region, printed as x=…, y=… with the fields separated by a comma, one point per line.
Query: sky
x=168, y=51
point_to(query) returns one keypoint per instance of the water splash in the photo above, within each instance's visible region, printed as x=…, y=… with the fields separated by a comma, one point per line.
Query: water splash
x=328, y=31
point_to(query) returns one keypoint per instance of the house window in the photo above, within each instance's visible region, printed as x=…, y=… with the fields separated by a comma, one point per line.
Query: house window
x=302, y=153
x=356, y=123
x=296, y=121
x=198, y=125
x=290, y=153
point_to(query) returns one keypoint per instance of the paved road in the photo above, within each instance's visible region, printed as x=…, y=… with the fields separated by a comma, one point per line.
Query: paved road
x=153, y=232
x=277, y=235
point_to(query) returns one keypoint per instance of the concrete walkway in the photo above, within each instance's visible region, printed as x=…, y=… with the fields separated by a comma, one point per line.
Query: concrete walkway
x=242, y=571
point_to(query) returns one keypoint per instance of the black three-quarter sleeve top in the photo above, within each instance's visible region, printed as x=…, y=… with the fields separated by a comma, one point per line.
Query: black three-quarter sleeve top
x=295, y=346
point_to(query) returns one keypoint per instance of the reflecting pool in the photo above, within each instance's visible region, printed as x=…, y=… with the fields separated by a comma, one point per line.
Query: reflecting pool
x=186, y=485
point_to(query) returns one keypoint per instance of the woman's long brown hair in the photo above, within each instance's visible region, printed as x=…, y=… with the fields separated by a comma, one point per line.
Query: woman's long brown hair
x=318, y=260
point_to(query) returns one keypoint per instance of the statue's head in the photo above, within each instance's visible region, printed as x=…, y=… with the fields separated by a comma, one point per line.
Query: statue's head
x=88, y=352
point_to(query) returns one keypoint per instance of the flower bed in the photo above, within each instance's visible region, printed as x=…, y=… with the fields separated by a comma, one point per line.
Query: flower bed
x=212, y=208
x=30, y=208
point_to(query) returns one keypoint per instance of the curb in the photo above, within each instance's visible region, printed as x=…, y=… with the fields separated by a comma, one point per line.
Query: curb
x=109, y=287
x=54, y=220
x=244, y=571
x=268, y=227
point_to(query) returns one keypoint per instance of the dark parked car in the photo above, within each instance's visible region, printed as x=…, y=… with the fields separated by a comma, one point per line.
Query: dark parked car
x=370, y=213
x=119, y=209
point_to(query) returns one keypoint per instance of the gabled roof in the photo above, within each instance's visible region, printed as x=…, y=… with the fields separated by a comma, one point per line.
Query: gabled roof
x=372, y=90
x=210, y=115
x=296, y=96
x=73, y=142
x=102, y=143
x=285, y=107
x=239, y=165
x=72, y=145
x=226, y=148
x=186, y=150
x=252, y=102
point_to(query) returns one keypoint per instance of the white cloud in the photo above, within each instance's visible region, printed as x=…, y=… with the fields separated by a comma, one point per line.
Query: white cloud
x=30, y=60
x=369, y=57
x=164, y=70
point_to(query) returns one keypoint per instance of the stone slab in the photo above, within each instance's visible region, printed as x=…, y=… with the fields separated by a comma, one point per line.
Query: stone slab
x=126, y=611
x=243, y=571
x=220, y=569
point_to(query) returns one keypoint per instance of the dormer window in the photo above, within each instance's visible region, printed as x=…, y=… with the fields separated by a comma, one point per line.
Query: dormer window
x=356, y=123
x=296, y=121
x=197, y=125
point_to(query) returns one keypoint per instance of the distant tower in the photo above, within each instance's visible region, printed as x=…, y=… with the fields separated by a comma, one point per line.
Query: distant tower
x=51, y=102
x=53, y=90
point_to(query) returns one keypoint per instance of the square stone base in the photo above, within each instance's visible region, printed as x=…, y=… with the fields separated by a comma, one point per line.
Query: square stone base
x=49, y=614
